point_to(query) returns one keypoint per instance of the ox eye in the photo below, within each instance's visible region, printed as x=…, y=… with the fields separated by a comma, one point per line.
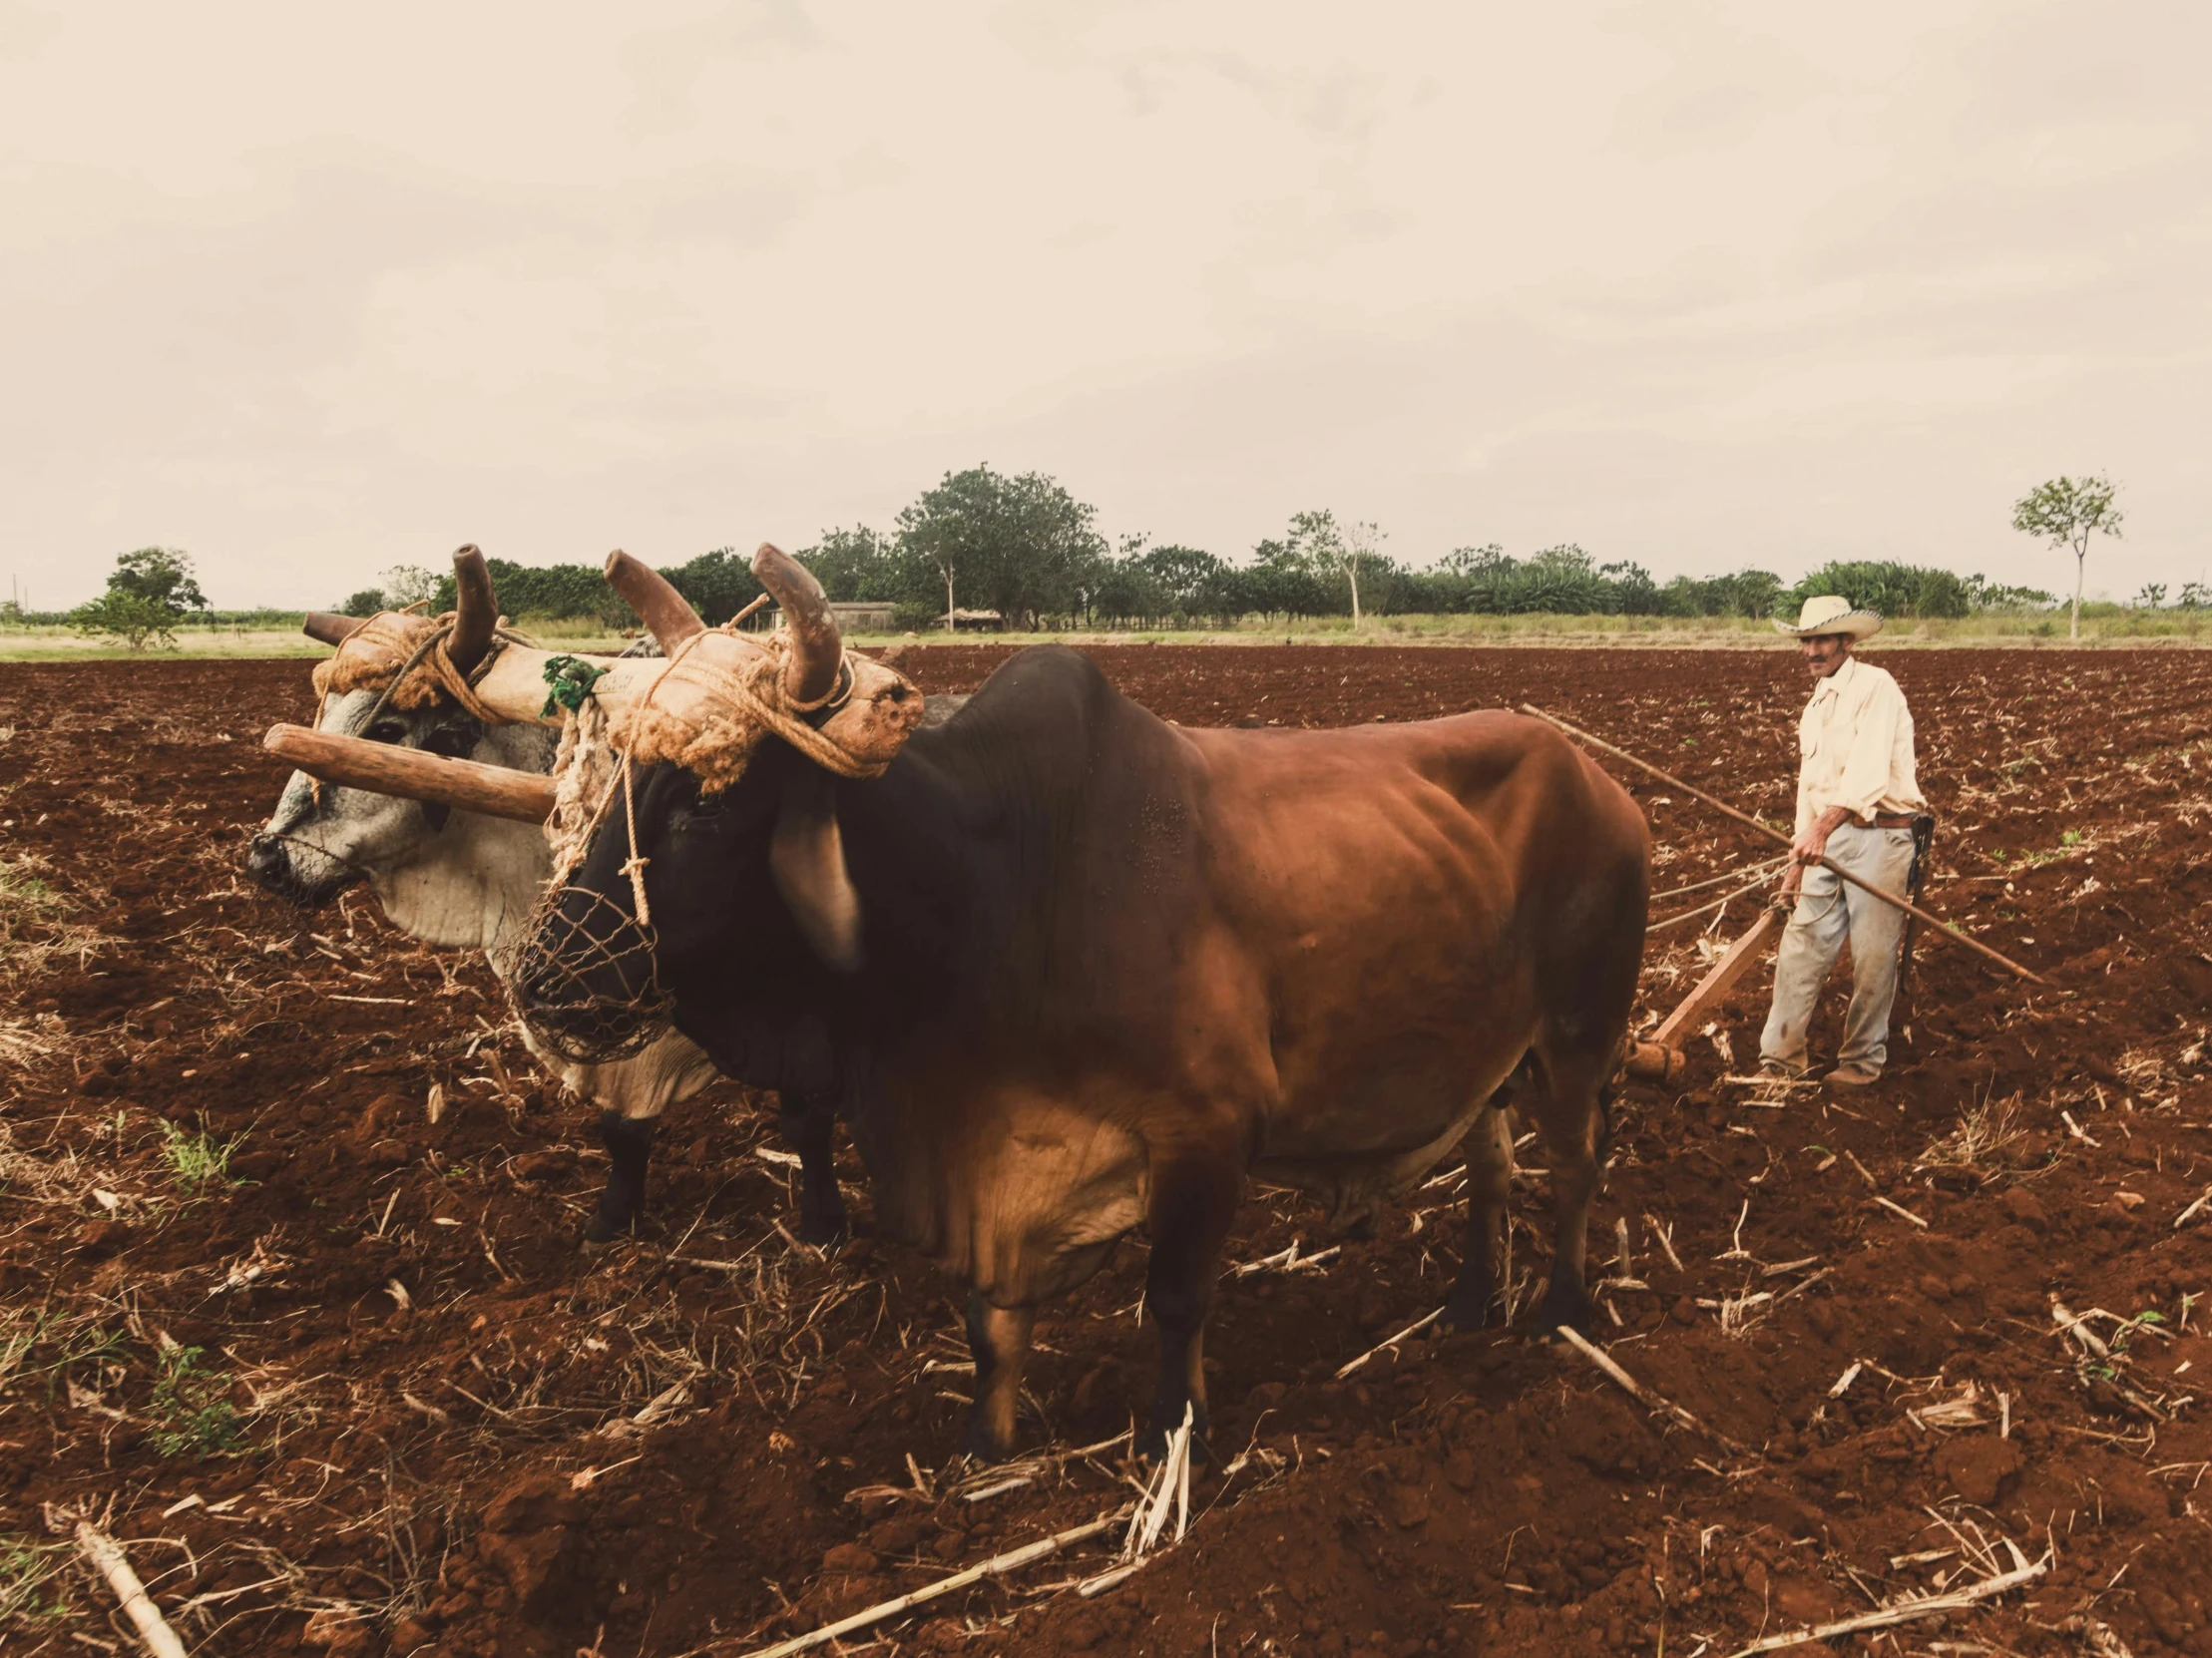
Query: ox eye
x=388, y=730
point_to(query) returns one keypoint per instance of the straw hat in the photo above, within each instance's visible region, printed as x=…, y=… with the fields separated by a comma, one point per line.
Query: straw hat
x=1830, y=613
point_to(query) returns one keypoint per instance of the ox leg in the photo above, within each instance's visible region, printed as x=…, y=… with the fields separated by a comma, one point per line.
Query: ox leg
x=1478, y=1298
x=1190, y=1209
x=809, y=1128
x=629, y=1145
x=1571, y=1120
x=999, y=1338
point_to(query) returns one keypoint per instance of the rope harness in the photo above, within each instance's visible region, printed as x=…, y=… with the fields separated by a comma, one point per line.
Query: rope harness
x=408, y=659
x=588, y=966
x=736, y=707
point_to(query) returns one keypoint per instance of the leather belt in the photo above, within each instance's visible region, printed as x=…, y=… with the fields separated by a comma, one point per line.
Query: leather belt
x=1893, y=820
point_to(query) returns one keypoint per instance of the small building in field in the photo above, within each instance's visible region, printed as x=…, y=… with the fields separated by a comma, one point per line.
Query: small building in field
x=974, y=622
x=865, y=616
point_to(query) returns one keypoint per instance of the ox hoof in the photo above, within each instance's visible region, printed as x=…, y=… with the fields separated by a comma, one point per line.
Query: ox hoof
x=979, y=1444
x=1565, y=1304
x=822, y=1227
x=599, y=1232
x=1152, y=1444
x=1462, y=1318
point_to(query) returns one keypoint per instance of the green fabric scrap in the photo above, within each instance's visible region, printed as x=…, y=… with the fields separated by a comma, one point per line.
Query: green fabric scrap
x=569, y=681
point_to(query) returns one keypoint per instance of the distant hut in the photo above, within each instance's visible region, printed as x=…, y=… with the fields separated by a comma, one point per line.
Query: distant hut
x=974, y=622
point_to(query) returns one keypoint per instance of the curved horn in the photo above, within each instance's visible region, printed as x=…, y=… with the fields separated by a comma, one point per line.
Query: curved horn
x=817, y=650
x=666, y=614
x=332, y=630
x=476, y=610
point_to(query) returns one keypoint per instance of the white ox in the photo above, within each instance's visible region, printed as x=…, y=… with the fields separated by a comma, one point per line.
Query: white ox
x=458, y=880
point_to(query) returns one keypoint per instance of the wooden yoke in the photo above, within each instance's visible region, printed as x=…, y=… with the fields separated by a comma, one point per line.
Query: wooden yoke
x=412, y=774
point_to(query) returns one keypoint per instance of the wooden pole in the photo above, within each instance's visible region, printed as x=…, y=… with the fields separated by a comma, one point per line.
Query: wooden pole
x=412, y=774
x=1773, y=834
x=996, y=1566
x=107, y=1556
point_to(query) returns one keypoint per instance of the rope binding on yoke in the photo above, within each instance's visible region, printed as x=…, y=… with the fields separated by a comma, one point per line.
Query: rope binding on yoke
x=406, y=658
x=710, y=707
x=569, y=682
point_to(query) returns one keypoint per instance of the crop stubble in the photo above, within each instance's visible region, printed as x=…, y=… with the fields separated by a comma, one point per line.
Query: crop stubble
x=453, y=1434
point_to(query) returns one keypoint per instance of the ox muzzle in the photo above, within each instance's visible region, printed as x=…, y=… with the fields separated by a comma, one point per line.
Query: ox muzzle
x=585, y=978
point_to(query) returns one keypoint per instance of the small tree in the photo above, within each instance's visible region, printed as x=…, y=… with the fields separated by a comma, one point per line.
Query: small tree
x=2152, y=596
x=406, y=585
x=1323, y=544
x=137, y=621
x=1363, y=545
x=2067, y=512
x=149, y=592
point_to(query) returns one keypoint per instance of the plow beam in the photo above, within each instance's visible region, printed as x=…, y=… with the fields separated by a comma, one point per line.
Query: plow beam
x=1660, y=1057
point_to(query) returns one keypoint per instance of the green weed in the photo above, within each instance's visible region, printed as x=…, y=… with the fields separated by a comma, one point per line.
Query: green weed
x=40, y=1344
x=196, y=1159
x=191, y=1408
x=21, y=892
x=28, y=1592
x=34, y=924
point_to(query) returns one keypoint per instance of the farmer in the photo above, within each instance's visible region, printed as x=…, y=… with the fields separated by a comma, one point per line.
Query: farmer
x=1856, y=801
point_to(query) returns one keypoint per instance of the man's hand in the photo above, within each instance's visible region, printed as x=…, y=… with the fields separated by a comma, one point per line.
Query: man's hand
x=1812, y=845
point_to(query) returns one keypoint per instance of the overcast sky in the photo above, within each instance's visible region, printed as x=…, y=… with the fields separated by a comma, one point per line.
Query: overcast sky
x=310, y=291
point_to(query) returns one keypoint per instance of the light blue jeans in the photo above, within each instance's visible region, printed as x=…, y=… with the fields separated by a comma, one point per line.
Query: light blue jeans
x=1829, y=911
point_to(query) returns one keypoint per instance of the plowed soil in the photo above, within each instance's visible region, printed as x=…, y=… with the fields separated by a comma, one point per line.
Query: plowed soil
x=1931, y=1333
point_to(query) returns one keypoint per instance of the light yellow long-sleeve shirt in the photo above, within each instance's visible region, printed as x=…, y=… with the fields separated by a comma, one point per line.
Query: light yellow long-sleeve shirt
x=1855, y=747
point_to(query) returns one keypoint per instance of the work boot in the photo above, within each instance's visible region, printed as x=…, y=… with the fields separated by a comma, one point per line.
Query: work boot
x=1851, y=1077
x=1781, y=1070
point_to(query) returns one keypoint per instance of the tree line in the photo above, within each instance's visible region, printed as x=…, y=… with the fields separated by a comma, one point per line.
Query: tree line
x=1023, y=550
x=1020, y=548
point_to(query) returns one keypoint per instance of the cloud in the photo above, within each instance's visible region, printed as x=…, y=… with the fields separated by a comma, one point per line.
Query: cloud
x=312, y=294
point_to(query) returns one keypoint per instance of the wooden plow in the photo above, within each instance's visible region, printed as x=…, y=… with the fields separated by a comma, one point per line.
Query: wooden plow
x=1660, y=1056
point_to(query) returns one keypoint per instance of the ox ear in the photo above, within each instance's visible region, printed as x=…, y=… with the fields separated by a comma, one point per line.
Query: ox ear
x=806, y=859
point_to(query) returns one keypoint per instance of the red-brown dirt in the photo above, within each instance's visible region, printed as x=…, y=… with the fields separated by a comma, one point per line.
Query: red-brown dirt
x=431, y=1425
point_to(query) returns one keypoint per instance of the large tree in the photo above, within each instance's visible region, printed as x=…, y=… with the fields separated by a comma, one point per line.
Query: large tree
x=2067, y=512
x=1023, y=546
x=854, y=564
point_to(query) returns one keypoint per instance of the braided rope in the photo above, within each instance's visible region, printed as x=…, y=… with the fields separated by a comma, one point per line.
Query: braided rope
x=757, y=706
x=426, y=669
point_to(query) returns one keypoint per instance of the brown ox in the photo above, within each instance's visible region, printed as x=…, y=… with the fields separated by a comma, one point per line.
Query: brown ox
x=1070, y=970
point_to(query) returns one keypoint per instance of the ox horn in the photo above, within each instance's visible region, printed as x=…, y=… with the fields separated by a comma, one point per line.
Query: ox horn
x=475, y=607
x=666, y=614
x=332, y=630
x=817, y=650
